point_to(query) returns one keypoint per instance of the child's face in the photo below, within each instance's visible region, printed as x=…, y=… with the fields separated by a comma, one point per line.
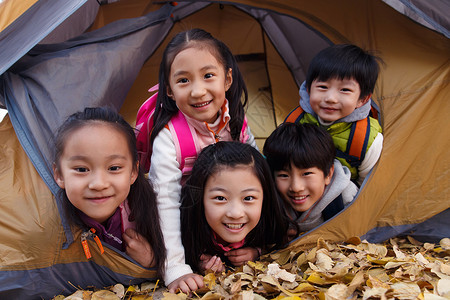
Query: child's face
x=198, y=84
x=334, y=99
x=233, y=201
x=301, y=188
x=96, y=170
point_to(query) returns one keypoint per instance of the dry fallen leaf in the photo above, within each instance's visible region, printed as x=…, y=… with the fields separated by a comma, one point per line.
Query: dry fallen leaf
x=401, y=268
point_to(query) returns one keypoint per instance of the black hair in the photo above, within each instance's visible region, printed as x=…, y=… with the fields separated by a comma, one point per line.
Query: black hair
x=141, y=198
x=195, y=232
x=237, y=93
x=344, y=61
x=302, y=145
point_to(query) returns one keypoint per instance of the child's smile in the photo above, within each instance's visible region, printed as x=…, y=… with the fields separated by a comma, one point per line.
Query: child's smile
x=335, y=99
x=302, y=188
x=96, y=170
x=233, y=202
x=198, y=83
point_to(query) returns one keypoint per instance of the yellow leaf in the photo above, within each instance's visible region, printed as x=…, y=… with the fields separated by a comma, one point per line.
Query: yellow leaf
x=379, y=274
x=210, y=280
x=303, y=287
x=301, y=259
x=381, y=261
x=317, y=279
x=311, y=256
x=171, y=296
x=322, y=296
x=283, y=257
x=258, y=266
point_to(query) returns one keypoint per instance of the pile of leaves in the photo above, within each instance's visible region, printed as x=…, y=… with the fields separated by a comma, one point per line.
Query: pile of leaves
x=401, y=268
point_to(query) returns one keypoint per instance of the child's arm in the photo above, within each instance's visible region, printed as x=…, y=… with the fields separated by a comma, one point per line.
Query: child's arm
x=371, y=158
x=165, y=176
x=138, y=248
x=240, y=256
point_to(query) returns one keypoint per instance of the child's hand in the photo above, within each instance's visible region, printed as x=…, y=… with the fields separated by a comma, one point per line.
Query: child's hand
x=138, y=248
x=187, y=283
x=213, y=263
x=240, y=256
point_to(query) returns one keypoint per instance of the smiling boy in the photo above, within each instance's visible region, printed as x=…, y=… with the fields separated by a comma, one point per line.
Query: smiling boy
x=313, y=185
x=336, y=95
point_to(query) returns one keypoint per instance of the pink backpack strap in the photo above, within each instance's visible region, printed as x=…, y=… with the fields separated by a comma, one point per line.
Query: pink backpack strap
x=183, y=138
x=244, y=135
x=144, y=126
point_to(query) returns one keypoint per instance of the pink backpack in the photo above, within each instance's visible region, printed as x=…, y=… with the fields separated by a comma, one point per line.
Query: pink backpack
x=181, y=131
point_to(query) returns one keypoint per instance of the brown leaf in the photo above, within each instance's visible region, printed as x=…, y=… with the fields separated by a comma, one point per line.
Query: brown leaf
x=104, y=295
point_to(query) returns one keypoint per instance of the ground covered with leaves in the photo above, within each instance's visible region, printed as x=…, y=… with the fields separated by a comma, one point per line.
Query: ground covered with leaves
x=401, y=268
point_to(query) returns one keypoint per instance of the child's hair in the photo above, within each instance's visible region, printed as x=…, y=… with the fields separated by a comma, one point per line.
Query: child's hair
x=302, y=145
x=345, y=61
x=195, y=231
x=141, y=198
x=198, y=38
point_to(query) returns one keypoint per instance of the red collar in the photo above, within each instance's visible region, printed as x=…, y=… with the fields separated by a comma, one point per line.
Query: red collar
x=230, y=247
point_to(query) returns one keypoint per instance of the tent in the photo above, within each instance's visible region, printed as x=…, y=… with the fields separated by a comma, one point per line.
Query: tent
x=58, y=56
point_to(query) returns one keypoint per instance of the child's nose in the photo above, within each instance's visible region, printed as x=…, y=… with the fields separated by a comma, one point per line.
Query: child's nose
x=98, y=181
x=235, y=210
x=297, y=185
x=198, y=89
x=331, y=97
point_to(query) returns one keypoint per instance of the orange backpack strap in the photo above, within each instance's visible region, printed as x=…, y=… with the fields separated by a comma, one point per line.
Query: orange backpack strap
x=357, y=142
x=295, y=115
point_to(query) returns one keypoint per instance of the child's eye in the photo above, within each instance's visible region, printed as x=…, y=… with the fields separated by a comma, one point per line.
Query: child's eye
x=307, y=173
x=209, y=75
x=81, y=169
x=282, y=175
x=114, y=168
x=346, y=90
x=220, y=198
x=182, y=80
x=249, y=198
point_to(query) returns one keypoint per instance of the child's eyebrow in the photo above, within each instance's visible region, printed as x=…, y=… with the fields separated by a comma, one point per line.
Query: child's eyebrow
x=77, y=157
x=207, y=67
x=82, y=157
x=216, y=189
x=178, y=73
x=204, y=68
x=251, y=189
